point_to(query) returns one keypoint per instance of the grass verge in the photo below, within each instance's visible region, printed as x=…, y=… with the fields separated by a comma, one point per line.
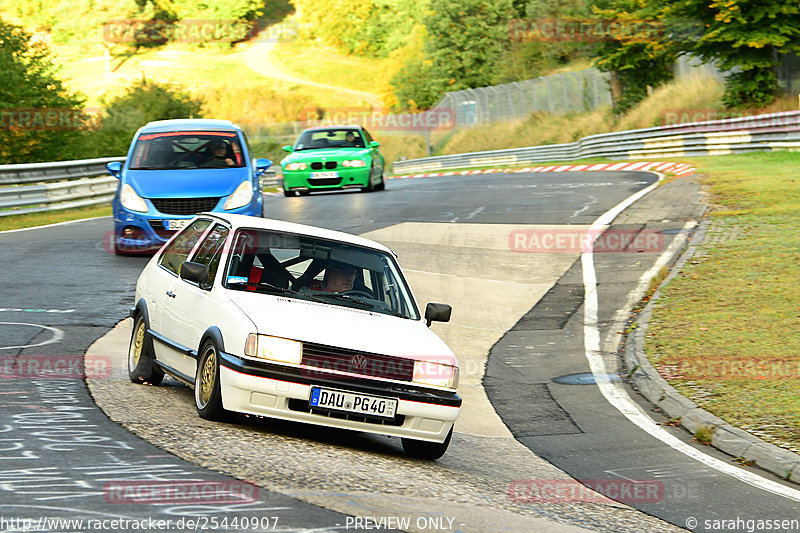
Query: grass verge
x=724, y=331
x=52, y=217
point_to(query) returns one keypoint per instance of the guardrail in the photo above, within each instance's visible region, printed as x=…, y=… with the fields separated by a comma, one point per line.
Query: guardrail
x=715, y=137
x=64, y=184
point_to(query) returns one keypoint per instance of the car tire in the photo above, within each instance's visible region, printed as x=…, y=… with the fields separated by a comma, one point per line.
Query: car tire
x=288, y=193
x=382, y=185
x=426, y=450
x=304, y=193
x=141, y=364
x=207, y=394
x=370, y=187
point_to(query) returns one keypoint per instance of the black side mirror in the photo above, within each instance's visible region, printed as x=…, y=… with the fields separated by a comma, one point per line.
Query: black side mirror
x=195, y=272
x=437, y=313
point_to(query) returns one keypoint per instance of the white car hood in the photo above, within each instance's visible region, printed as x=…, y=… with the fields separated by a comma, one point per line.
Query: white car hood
x=345, y=327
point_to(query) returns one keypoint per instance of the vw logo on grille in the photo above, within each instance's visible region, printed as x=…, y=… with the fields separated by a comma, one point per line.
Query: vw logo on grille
x=358, y=362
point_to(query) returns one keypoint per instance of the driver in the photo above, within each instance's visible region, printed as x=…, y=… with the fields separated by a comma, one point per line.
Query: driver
x=339, y=277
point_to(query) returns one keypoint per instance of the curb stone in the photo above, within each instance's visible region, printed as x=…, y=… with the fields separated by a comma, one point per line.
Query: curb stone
x=725, y=437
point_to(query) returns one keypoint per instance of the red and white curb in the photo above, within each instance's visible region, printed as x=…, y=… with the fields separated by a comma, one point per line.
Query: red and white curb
x=679, y=169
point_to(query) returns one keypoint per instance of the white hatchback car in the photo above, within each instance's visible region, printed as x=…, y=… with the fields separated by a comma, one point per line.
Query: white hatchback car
x=295, y=322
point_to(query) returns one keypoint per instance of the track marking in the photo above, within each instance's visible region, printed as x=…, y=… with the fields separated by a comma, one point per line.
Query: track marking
x=57, y=335
x=53, y=225
x=618, y=397
x=19, y=310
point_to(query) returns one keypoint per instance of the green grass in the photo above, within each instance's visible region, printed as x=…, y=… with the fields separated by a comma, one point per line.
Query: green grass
x=735, y=313
x=52, y=217
x=321, y=63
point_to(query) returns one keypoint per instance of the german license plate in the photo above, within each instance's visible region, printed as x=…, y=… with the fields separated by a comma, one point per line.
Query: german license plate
x=316, y=175
x=175, y=225
x=353, y=403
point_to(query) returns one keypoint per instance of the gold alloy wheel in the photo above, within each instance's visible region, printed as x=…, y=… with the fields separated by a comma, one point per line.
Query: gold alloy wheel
x=136, y=346
x=208, y=375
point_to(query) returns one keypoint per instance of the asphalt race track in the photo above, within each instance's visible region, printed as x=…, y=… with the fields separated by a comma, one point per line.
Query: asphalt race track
x=467, y=240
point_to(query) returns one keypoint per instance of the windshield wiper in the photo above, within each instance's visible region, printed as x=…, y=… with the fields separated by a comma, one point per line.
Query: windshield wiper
x=344, y=297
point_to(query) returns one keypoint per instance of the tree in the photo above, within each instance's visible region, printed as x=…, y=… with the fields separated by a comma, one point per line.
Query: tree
x=636, y=46
x=39, y=115
x=466, y=39
x=142, y=102
x=744, y=37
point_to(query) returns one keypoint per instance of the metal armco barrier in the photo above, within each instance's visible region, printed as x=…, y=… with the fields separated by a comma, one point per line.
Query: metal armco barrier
x=773, y=131
x=63, y=185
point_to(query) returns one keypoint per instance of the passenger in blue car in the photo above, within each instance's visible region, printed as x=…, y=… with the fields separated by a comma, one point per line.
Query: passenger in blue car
x=219, y=155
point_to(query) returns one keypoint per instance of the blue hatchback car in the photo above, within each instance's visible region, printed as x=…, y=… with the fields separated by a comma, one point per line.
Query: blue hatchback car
x=176, y=169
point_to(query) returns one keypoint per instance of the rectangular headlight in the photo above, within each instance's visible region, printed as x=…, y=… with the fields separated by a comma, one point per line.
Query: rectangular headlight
x=274, y=349
x=435, y=374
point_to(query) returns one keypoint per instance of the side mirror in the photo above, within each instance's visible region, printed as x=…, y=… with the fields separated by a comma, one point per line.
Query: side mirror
x=114, y=168
x=437, y=313
x=195, y=272
x=287, y=148
x=374, y=144
x=262, y=165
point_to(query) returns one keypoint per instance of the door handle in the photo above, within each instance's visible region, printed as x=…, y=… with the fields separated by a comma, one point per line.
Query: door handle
x=171, y=294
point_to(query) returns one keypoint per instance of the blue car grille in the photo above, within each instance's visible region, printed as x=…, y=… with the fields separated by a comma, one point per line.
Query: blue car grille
x=184, y=206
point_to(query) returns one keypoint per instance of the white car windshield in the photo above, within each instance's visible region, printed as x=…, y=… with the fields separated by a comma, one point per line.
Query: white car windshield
x=336, y=273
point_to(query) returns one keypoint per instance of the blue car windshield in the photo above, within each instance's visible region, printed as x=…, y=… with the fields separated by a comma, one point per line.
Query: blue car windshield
x=187, y=150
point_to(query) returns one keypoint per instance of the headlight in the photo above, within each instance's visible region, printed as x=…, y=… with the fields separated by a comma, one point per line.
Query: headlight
x=354, y=163
x=240, y=197
x=435, y=374
x=130, y=200
x=296, y=166
x=274, y=348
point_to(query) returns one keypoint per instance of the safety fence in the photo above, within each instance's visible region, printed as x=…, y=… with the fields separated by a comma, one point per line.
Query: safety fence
x=39, y=187
x=774, y=131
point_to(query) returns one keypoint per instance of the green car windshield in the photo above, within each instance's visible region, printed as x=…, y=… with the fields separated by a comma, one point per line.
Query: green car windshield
x=330, y=138
x=311, y=268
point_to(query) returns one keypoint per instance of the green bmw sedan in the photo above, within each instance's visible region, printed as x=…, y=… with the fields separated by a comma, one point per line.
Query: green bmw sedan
x=327, y=158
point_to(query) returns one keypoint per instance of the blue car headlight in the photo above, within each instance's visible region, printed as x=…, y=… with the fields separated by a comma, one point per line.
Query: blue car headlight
x=130, y=200
x=240, y=197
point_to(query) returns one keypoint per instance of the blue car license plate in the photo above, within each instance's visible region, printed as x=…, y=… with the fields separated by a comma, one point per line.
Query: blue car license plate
x=353, y=402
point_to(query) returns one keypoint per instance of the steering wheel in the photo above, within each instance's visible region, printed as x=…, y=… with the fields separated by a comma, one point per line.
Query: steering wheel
x=357, y=292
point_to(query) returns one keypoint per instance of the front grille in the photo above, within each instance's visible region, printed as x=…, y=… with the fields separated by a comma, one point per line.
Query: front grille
x=324, y=181
x=317, y=165
x=158, y=227
x=302, y=406
x=361, y=363
x=184, y=206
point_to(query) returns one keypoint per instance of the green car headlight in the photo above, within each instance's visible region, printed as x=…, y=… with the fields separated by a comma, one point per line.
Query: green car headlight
x=296, y=166
x=354, y=163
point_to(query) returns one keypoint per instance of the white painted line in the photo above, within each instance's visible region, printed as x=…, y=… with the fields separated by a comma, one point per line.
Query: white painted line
x=19, y=310
x=562, y=169
x=579, y=167
x=53, y=225
x=637, y=166
x=599, y=166
x=57, y=335
x=619, y=398
x=617, y=166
